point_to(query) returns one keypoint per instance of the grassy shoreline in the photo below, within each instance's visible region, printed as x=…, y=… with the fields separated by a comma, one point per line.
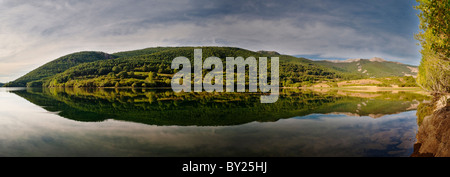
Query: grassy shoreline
x=366, y=89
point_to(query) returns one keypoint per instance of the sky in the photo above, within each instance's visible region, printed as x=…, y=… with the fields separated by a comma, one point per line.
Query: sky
x=33, y=33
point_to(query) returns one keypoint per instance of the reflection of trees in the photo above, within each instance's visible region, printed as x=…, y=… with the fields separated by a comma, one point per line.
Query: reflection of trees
x=433, y=136
x=164, y=107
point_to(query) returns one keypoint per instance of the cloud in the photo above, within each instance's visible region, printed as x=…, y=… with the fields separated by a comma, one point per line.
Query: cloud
x=38, y=32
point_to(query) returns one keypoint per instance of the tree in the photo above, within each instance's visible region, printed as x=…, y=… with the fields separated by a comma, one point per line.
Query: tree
x=150, y=77
x=111, y=75
x=122, y=74
x=103, y=71
x=116, y=69
x=434, y=69
x=126, y=68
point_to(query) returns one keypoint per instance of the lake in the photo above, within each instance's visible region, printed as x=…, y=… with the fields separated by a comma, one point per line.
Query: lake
x=159, y=122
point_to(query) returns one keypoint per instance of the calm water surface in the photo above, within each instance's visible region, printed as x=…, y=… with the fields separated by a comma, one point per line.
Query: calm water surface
x=77, y=122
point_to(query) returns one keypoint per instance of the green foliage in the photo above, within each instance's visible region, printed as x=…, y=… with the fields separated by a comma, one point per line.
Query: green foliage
x=146, y=51
x=296, y=75
x=151, y=68
x=58, y=66
x=423, y=110
x=434, y=69
x=434, y=72
x=434, y=21
x=151, y=77
x=37, y=83
x=405, y=81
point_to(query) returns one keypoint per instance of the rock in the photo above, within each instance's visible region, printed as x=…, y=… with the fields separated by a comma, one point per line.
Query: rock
x=434, y=132
x=442, y=102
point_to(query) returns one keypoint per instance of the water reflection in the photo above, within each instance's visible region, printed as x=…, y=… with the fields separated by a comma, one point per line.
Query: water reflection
x=109, y=122
x=164, y=107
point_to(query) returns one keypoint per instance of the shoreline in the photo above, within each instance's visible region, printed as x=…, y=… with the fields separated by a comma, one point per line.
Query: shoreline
x=362, y=88
x=356, y=88
x=367, y=89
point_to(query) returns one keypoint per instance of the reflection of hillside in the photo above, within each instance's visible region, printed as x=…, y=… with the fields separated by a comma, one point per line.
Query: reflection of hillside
x=372, y=104
x=358, y=94
x=367, y=91
x=164, y=107
x=358, y=115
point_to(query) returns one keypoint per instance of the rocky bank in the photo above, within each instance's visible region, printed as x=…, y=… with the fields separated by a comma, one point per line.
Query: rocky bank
x=433, y=136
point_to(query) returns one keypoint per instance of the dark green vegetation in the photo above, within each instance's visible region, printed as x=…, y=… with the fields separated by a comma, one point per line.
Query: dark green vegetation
x=164, y=107
x=434, y=69
x=44, y=73
x=1, y=84
x=151, y=68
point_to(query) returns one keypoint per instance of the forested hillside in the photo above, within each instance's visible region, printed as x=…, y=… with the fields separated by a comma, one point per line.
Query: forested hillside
x=37, y=76
x=151, y=68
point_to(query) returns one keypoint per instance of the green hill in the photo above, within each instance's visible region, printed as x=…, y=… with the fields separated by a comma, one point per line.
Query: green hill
x=150, y=67
x=142, y=51
x=37, y=76
x=133, y=68
x=375, y=67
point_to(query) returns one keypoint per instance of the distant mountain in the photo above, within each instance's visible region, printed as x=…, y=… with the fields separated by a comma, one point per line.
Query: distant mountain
x=150, y=67
x=374, y=67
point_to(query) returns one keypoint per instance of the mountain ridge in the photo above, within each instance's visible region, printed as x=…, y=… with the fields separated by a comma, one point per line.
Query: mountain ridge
x=58, y=65
x=371, y=67
x=151, y=67
x=373, y=59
